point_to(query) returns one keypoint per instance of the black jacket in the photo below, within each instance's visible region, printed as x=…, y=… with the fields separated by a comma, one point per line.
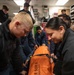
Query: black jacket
x=28, y=43
x=66, y=50
x=9, y=49
x=3, y=16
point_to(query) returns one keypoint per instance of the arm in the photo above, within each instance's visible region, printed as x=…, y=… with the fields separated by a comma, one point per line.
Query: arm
x=44, y=39
x=68, y=60
x=7, y=16
x=1, y=42
x=31, y=41
x=52, y=46
x=17, y=62
x=36, y=39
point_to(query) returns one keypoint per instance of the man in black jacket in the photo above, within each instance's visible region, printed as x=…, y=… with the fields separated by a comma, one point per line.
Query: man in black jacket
x=10, y=32
x=4, y=14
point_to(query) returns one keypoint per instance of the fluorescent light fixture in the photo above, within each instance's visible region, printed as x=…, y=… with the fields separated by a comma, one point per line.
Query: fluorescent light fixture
x=61, y=2
x=19, y=2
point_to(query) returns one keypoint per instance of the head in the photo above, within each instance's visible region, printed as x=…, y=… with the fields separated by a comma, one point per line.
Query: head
x=38, y=29
x=55, y=29
x=63, y=11
x=5, y=9
x=66, y=19
x=21, y=24
x=26, y=6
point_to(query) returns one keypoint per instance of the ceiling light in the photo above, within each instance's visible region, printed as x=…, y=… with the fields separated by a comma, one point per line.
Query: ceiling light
x=61, y=2
x=19, y=2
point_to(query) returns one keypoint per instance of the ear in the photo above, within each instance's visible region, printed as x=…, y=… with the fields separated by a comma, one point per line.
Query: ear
x=17, y=23
x=61, y=29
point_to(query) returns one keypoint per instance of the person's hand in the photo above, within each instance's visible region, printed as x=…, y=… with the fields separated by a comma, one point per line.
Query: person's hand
x=51, y=60
x=24, y=64
x=36, y=46
x=55, y=57
x=52, y=54
x=43, y=45
x=23, y=72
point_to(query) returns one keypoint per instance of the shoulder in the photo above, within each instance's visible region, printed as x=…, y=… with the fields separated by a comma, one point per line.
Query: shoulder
x=28, y=12
x=22, y=10
x=71, y=34
x=1, y=11
x=69, y=42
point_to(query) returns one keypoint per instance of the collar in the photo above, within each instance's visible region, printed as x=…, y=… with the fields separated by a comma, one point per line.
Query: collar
x=6, y=30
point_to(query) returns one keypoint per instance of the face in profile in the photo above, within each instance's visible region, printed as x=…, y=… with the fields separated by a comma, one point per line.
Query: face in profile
x=21, y=30
x=63, y=12
x=26, y=8
x=55, y=35
x=39, y=31
x=21, y=24
x=5, y=11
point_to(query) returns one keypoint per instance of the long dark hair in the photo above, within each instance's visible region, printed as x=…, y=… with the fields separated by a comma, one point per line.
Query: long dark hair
x=55, y=23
